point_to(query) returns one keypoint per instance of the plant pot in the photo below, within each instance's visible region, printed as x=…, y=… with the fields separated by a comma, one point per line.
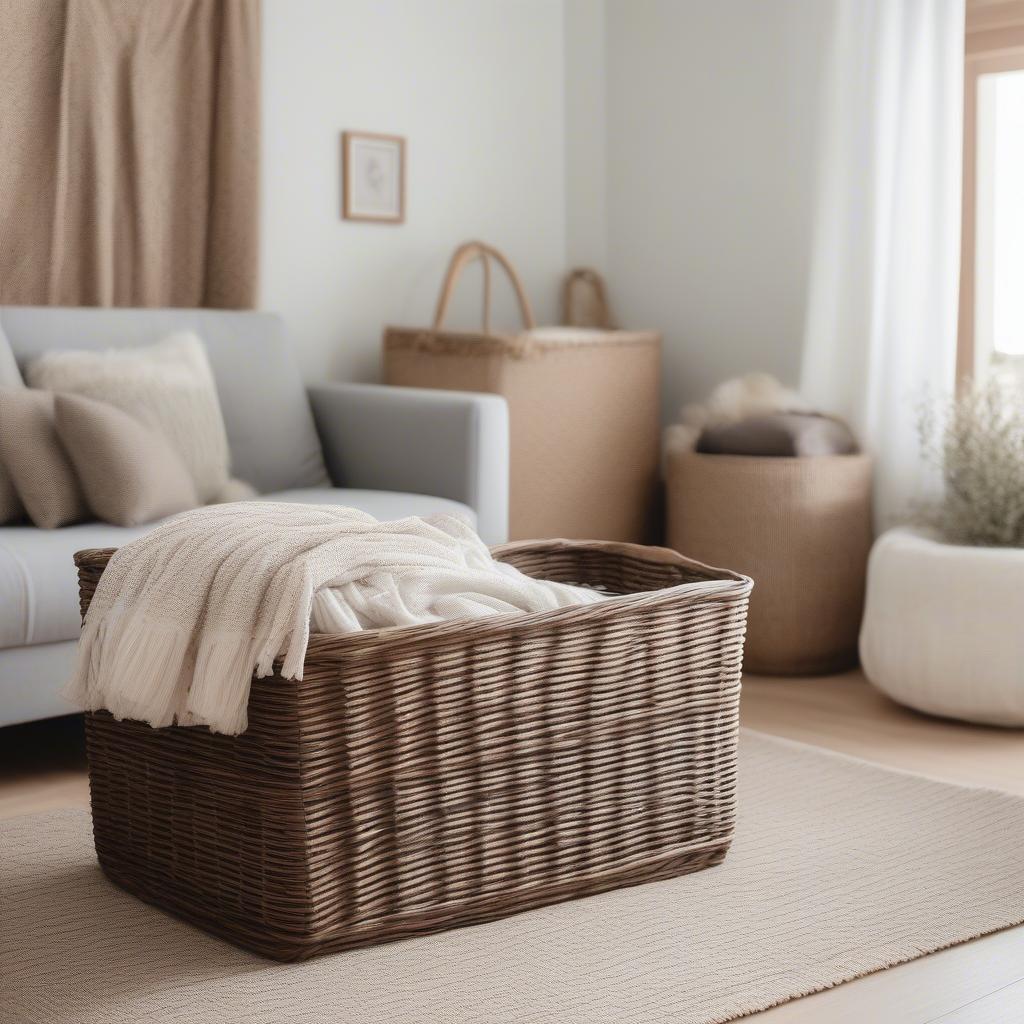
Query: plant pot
x=942, y=627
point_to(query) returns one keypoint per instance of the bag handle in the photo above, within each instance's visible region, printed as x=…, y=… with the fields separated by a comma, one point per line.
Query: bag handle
x=588, y=276
x=464, y=255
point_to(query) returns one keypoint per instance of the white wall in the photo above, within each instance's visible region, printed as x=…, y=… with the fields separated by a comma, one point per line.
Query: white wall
x=669, y=142
x=477, y=87
x=711, y=112
x=586, y=134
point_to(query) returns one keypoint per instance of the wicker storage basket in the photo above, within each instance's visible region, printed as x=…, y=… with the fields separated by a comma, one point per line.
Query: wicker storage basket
x=583, y=410
x=801, y=528
x=433, y=776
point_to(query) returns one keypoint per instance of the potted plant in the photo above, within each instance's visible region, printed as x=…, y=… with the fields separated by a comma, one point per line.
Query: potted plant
x=945, y=599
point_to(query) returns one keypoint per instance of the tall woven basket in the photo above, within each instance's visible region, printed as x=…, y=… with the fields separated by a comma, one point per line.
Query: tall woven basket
x=432, y=776
x=801, y=528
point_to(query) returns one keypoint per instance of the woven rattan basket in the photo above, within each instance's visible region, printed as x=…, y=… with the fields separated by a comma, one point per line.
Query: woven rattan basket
x=426, y=777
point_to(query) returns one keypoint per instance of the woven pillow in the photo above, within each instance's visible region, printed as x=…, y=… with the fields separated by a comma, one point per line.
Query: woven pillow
x=30, y=449
x=167, y=386
x=10, y=505
x=129, y=474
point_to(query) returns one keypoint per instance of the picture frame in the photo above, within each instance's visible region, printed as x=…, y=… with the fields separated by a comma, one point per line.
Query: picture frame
x=373, y=177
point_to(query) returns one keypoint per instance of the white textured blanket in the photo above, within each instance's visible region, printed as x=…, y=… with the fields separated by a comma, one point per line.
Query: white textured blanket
x=183, y=616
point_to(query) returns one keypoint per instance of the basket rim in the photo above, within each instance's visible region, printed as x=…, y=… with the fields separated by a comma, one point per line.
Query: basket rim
x=728, y=586
x=398, y=337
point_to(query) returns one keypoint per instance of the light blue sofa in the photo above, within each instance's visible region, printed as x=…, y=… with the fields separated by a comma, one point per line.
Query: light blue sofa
x=392, y=452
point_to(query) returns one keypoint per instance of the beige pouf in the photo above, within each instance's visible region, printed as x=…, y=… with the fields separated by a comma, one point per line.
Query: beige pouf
x=942, y=627
x=801, y=528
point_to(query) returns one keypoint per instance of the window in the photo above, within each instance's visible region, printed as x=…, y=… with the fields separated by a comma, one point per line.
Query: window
x=992, y=271
x=999, y=215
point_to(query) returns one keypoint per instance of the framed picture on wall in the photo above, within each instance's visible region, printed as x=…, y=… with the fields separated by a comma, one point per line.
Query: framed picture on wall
x=373, y=177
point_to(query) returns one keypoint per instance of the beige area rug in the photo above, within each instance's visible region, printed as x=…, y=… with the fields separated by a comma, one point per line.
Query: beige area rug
x=839, y=868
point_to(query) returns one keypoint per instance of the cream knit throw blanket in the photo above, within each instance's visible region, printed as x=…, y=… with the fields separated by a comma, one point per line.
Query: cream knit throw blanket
x=183, y=616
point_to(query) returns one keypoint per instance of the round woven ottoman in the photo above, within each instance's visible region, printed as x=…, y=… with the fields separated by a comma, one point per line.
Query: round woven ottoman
x=944, y=627
x=801, y=529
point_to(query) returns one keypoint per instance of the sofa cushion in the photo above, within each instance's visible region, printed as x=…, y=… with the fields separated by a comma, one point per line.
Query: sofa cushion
x=39, y=586
x=31, y=680
x=379, y=504
x=270, y=429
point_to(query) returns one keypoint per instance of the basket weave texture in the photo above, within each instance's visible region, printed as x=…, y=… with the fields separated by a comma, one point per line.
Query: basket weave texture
x=427, y=777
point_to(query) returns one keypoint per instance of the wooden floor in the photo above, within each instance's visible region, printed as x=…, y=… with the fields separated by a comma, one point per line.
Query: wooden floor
x=42, y=766
x=844, y=713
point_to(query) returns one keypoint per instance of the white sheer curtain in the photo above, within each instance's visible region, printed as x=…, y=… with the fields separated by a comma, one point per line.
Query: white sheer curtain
x=881, y=323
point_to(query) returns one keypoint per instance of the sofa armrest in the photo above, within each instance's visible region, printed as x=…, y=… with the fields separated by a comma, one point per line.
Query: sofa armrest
x=450, y=444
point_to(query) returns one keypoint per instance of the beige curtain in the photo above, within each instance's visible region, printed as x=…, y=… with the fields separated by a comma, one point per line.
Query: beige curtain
x=129, y=152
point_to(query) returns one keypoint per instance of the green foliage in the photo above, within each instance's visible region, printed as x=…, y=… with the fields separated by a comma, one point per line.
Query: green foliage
x=977, y=442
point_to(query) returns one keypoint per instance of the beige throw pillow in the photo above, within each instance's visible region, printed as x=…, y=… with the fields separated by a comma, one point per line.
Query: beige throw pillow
x=37, y=463
x=11, y=508
x=167, y=386
x=10, y=505
x=129, y=474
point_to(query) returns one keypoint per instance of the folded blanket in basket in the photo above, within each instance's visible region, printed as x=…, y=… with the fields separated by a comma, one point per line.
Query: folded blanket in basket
x=183, y=616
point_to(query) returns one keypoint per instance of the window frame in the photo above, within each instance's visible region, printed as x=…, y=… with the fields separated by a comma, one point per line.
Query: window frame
x=993, y=42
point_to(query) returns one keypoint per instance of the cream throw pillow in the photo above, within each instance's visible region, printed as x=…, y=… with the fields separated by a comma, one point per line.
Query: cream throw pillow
x=10, y=505
x=37, y=463
x=129, y=473
x=168, y=387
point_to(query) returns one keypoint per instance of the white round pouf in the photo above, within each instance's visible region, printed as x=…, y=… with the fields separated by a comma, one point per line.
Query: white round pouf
x=943, y=627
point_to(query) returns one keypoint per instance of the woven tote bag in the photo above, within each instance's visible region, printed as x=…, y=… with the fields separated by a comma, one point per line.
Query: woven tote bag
x=583, y=407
